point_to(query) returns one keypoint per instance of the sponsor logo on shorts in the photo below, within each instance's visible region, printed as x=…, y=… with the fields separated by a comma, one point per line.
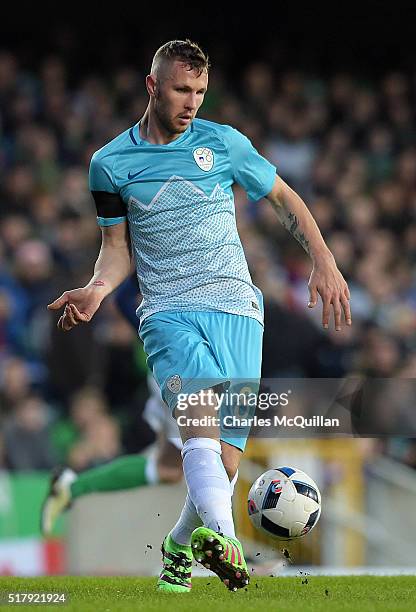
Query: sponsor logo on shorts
x=174, y=383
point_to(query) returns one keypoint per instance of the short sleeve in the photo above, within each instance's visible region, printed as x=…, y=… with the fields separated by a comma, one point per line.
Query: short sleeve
x=250, y=169
x=111, y=209
x=101, y=176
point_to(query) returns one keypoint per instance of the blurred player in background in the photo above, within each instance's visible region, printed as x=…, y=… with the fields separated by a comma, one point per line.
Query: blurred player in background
x=163, y=192
x=163, y=465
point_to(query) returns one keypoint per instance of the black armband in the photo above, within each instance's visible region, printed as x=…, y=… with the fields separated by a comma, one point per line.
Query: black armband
x=110, y=207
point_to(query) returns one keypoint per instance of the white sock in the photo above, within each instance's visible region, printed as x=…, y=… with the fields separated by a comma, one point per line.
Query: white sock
x=208, y=484
x=188, y=521
x=233, y=483
x=150, y=470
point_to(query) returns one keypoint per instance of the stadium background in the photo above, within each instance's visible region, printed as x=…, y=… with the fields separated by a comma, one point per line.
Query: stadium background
x=330, y=100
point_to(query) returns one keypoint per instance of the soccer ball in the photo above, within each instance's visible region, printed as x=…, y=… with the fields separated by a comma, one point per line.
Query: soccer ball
x=285, y=503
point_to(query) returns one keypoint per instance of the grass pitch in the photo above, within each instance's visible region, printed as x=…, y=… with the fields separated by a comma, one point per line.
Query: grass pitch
x=116, y=594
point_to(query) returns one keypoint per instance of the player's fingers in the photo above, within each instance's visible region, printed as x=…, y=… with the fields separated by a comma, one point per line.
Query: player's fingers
x=58, y=303
x=66, y=324
x=81, y=317
x=66, y=320
x=347, y=310
x=313, y=296
x=337, y=313
x=70, y=315
x=63, y=323
x=326, y=310
x=347, y=292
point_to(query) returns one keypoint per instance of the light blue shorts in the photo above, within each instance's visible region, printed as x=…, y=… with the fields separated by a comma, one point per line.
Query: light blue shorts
x=191, y=351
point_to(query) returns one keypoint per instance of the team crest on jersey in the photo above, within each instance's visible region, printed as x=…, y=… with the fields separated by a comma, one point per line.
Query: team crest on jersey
x=204, y=157
x=174, y=383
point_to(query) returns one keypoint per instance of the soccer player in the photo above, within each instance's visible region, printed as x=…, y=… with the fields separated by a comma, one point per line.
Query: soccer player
x=162, y=465
x=163, y=192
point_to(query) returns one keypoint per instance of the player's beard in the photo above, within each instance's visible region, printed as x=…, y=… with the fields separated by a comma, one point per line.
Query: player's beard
x=165, y=120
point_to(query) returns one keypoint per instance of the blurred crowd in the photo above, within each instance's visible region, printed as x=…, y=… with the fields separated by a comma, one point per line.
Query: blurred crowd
x=348, y=147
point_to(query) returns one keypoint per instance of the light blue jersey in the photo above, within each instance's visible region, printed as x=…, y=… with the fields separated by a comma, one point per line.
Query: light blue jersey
x=180, y=210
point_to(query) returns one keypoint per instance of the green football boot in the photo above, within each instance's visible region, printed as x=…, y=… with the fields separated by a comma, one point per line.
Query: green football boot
x=175, y=576
x=222, y=555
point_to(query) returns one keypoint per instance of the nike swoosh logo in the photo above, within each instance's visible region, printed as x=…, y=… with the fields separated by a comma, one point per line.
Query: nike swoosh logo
x=132, y=176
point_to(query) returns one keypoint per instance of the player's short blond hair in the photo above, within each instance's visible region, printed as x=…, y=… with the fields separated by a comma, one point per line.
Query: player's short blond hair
x=186, y=51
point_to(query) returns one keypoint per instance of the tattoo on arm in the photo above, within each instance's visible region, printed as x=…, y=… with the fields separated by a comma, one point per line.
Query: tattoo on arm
x=291, y=223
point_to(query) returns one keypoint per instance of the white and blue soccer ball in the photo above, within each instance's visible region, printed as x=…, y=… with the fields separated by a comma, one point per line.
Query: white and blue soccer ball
x=284, y=503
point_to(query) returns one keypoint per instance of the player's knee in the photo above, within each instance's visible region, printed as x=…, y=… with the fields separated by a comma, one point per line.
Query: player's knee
x=175, y=476
x=170, y=456
x=169, y=474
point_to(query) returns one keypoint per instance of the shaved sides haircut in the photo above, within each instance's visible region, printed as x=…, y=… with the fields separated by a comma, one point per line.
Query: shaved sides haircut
x=184, y=51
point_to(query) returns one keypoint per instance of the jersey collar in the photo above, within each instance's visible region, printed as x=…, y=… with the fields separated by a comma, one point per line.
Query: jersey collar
x=137, y=140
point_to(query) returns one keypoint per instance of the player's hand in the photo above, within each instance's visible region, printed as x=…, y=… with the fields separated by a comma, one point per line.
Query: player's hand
x=328, y=281
x=80, y=306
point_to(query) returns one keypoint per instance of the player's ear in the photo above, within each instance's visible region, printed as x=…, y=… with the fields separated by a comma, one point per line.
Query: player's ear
x=151, y=85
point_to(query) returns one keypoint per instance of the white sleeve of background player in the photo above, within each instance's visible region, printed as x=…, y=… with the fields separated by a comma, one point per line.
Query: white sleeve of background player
x=253, y=172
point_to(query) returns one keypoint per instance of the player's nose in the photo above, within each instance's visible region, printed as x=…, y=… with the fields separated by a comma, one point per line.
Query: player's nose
x=191, y=102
